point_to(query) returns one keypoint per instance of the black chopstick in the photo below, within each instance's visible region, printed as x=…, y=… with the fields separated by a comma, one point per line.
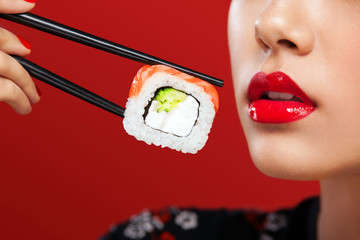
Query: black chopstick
x=61, y=83
x=60, y=30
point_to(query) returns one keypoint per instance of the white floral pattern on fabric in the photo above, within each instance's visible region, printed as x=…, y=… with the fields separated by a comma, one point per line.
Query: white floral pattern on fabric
x=142, y=224
x=275, y=221
x=187, y=220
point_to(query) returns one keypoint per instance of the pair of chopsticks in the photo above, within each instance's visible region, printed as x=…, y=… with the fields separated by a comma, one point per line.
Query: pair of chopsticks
x=60, y=30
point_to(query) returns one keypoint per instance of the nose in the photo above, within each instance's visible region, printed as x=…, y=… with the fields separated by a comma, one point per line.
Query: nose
x=284, y=26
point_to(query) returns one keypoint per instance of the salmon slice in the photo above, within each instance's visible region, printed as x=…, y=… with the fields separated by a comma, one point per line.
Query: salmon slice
x=147, y=71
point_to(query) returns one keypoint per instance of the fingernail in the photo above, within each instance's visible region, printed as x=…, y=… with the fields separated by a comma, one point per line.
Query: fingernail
x=38, y=90
x=30, y=1
x=24, y=42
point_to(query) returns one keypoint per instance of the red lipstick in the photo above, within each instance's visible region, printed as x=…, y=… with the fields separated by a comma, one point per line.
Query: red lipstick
x=275, y=98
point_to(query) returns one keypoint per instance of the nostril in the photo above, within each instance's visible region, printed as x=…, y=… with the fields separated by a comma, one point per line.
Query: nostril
x=286, y=43
x=262, y=44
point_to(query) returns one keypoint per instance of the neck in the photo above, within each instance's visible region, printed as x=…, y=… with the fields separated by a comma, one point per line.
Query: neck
x=340, y=209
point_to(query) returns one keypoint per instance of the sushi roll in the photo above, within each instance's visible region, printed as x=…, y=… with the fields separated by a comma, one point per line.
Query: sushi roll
x=171, y=109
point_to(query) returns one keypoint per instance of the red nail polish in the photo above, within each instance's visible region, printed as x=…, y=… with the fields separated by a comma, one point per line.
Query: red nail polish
x=38, y=90
x=24, y=42
x=30, y=1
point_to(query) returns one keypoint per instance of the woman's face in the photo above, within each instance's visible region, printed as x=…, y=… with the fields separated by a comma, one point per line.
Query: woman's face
x=313, y=130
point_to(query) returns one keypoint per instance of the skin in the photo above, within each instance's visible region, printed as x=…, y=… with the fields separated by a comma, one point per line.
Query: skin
x=321, y=53
x=16, y=86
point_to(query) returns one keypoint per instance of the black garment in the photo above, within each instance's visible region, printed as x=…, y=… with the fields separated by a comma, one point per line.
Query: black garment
x=195, y=224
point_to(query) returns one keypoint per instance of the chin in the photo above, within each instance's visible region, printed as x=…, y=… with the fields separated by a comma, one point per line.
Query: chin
x=289, y=156
x=282, y=153
x=317, y=147
x=280, y=164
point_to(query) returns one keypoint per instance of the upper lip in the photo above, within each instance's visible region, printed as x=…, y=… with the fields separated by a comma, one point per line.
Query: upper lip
x=277, y=82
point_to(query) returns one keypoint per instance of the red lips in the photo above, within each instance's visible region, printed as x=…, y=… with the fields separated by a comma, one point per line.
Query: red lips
x=274, y=108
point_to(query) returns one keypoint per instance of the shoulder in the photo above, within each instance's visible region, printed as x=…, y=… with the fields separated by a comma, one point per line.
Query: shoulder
x=221, y=224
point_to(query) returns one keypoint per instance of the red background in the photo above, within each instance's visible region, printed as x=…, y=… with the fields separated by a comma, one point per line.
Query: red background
x=69, y=170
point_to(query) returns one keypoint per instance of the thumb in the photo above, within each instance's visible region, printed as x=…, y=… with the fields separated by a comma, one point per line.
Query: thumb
x=16, y=6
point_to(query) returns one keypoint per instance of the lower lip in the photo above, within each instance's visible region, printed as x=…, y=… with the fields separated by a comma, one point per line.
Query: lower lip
x=267, y=111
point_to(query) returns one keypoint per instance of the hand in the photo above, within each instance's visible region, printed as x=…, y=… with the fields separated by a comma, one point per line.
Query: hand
x=16, y=86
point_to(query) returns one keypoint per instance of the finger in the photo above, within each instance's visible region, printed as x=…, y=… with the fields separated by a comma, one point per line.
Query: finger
x=16, y=6
x=11, y=69
x=12, y=44
x=14, y=96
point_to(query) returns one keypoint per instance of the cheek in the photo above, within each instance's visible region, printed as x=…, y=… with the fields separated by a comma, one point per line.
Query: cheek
x=246, y=56
x=241, y=34
x=340, y=95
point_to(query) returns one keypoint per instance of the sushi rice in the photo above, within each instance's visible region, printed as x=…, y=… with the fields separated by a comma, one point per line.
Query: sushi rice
x=145, y=125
